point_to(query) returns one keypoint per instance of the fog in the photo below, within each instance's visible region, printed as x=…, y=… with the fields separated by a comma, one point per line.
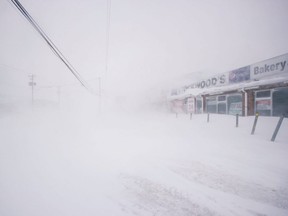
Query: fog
x=73, y=160
x=111, y=147
x=152, y=44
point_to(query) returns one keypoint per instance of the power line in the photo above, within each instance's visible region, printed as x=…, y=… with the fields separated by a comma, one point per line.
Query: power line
x=54, y=48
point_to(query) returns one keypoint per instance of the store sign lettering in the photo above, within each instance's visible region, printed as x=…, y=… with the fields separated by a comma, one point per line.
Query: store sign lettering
x=277, y=65
x=214, y=81
x=269, y=68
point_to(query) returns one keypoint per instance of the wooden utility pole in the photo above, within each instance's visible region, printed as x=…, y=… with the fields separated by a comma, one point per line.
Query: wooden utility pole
x=32, y=84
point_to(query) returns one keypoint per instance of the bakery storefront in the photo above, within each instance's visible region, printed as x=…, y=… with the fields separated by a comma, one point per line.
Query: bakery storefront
x=258, y=88
x=270, y=98
x=271, y=102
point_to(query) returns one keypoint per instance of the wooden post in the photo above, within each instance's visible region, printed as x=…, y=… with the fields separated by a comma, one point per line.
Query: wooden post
x=255, y=123
x=277, y=128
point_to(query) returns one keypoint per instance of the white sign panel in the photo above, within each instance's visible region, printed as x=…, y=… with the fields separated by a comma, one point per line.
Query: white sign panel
x=190, y=105
x=270, y=67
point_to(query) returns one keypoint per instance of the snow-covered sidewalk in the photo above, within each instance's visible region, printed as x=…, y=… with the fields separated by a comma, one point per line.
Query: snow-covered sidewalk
x=58, y=163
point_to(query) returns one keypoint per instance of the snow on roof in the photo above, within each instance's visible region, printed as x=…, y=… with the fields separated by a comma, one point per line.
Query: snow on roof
x=193, y=92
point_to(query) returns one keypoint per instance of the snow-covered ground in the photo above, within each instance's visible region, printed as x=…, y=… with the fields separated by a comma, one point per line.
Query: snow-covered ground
x=62, y=162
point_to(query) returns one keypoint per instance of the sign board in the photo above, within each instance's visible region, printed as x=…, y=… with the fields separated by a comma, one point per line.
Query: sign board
x=190, y=105
x=274, y=66
x=263, y=104
x=213, y=81
x=239, y=75
x=235, y=108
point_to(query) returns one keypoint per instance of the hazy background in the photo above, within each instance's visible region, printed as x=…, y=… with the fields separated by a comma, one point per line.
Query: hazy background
x=153, y=44
x=72, y=161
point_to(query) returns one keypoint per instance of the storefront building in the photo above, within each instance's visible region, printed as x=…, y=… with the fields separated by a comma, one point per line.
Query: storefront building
x=261, y=87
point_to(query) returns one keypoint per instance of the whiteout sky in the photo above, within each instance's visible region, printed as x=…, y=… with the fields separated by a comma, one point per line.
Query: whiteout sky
x=151, y=41
x=61, y=162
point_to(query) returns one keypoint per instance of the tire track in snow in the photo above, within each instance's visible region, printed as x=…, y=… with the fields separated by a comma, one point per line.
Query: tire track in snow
x=154, y=199
x=219, y=180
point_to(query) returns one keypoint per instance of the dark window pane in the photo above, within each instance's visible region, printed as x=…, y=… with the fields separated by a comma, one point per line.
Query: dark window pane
x=222, y=108
x=234, y=104
x=263, y=94
x=222, y=98
x=211, y=105
x=280, y=102
x=199, y=106
x=211, y=108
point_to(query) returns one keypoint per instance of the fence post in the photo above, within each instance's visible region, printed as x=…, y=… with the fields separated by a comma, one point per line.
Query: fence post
x=207, y=117
x=277, y=128
x=237, y=120
x=176, y=115
x=190, y=116
x=255, y=123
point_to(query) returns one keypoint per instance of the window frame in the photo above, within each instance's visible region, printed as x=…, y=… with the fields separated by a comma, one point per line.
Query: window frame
x=264, y=98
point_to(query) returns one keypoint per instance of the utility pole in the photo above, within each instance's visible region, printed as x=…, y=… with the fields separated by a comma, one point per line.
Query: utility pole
x=32, y=84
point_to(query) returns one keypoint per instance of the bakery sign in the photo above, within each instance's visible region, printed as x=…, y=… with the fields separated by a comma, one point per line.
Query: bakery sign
x=270, y=67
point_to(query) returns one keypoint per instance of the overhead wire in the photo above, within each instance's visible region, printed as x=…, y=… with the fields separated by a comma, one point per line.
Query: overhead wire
x=54, y=48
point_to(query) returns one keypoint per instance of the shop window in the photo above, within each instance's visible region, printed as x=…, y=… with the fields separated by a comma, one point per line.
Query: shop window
x=263, y=107
x=222, y=108
x=199, y=105
x=280, y=102
x=263, y=94
x=222, y=98
x=211, y=106
x=263, y=103
x=234, y=104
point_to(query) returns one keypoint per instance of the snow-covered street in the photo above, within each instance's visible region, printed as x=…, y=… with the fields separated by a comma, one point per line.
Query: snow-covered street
x=69, y=163
x=131, y=108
